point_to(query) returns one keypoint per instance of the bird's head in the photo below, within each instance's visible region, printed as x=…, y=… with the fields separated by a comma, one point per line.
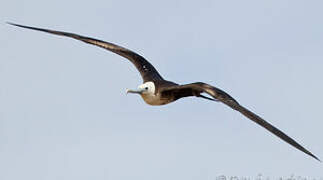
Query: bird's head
x=147, y=88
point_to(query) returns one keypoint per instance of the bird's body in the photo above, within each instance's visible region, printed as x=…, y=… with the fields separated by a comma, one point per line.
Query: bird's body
x=157, y=91
x=153, y=96
x=156, y=97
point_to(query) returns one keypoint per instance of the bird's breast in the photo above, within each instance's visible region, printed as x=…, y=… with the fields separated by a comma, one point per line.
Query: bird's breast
x=155, y=100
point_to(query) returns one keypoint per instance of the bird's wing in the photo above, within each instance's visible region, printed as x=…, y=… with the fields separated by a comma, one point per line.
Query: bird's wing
x=195, y=89
x=147, y=71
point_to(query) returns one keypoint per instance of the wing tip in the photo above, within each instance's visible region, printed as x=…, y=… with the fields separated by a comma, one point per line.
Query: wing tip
x=11, y=23
x=18, y=25
x=316, y=158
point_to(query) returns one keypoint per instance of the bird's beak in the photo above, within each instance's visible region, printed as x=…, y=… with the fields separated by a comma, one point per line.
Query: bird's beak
x=137, y=91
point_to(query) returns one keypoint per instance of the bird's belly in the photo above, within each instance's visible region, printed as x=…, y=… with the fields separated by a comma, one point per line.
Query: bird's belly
x=155, y=100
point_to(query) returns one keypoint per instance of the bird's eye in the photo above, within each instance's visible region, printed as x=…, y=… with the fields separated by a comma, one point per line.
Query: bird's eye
x=146, y=88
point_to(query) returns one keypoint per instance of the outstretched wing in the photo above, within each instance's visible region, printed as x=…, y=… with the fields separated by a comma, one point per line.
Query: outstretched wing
x=195, y=89
x=147, y=71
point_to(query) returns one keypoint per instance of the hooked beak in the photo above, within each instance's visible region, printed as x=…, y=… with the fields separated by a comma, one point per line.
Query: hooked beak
x=137, y=91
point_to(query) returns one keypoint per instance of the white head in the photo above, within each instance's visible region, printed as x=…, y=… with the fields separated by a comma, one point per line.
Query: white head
x=147, y=88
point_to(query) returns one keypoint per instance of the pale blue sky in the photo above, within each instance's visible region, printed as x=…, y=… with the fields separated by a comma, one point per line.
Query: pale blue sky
x=64, y=113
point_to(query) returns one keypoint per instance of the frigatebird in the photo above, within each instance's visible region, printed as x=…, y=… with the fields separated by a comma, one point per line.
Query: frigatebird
x=155, y=90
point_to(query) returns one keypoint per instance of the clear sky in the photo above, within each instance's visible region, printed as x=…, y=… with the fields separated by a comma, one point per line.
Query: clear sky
x=64, y=113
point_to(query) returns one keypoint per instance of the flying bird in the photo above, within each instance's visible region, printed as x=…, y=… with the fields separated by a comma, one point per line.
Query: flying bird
x=155, y=90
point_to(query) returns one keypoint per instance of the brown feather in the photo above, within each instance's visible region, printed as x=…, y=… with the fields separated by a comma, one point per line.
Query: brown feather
x=195, y=89
x=147, y=71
